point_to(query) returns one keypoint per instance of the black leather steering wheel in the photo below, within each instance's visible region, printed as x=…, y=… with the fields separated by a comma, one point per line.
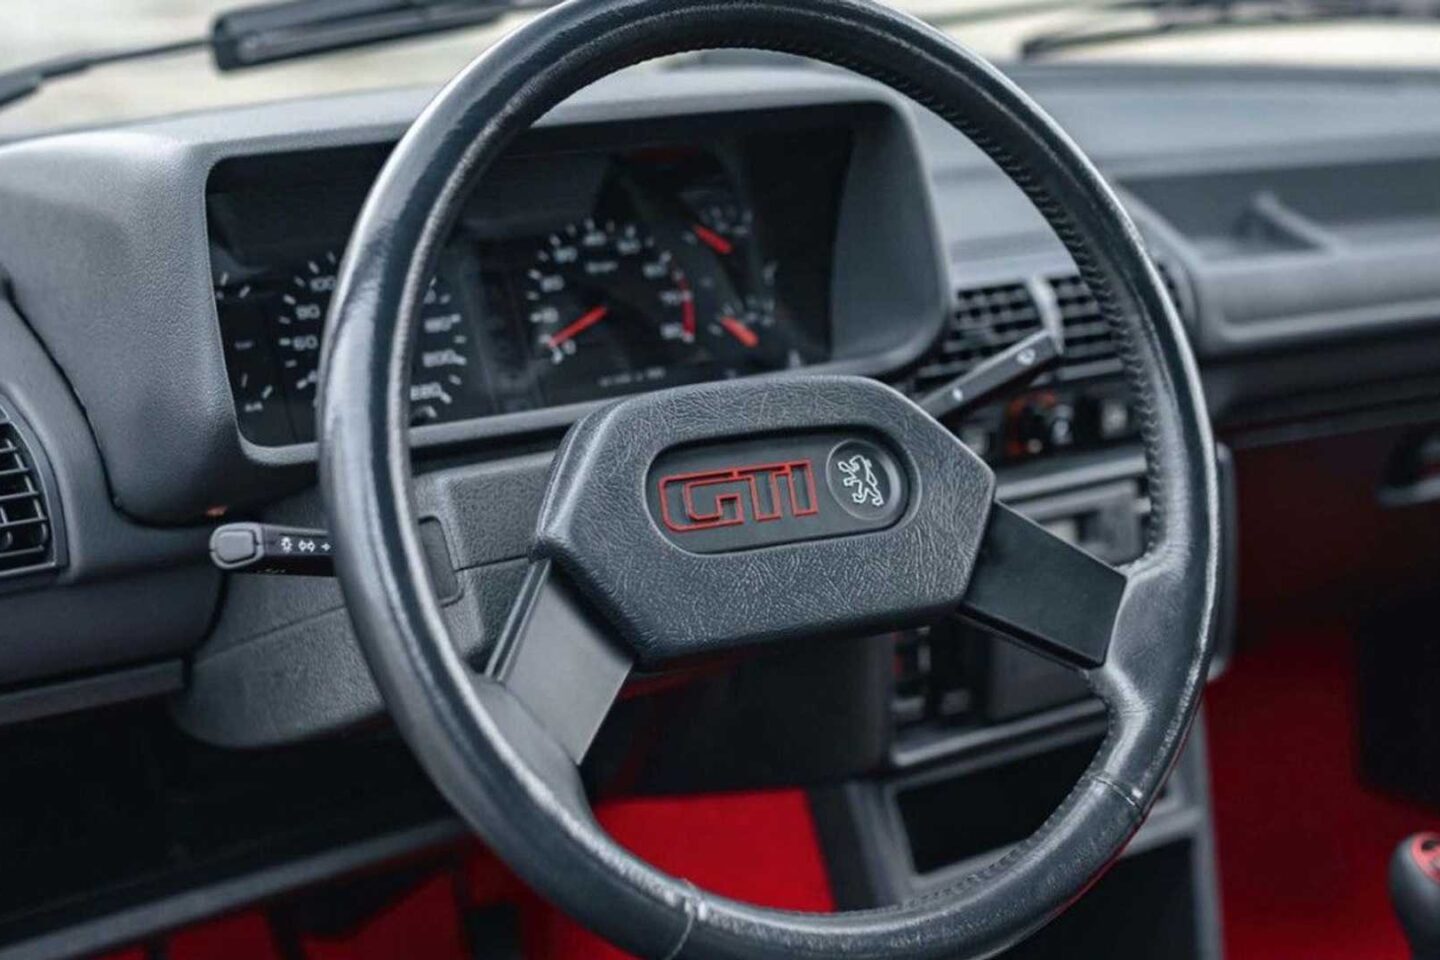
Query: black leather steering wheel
x=633, y=565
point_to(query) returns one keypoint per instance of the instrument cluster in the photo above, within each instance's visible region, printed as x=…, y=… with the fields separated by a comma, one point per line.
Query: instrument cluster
x=574, y=275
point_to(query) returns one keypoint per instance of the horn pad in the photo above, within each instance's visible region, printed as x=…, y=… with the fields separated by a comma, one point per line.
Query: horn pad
x=753, y=511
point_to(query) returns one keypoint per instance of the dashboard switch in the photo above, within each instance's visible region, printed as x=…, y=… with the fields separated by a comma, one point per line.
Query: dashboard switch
x=262, y=548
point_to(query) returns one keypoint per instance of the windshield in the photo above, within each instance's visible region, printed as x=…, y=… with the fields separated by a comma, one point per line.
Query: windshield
x=32, y=30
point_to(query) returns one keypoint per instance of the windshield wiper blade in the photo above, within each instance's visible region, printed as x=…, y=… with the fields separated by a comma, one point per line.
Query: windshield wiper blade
x=1175, y=17
x=266, y=33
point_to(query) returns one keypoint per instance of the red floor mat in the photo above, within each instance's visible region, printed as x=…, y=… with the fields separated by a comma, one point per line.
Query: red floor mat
x=425, y=923
x=756, y=847
x=1303, y=847
x=242, y=936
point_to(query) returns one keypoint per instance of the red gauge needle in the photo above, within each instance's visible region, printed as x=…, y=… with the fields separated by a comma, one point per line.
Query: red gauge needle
x=687, y=310
x=713, y=240
x=739, y=331
x=578, y=327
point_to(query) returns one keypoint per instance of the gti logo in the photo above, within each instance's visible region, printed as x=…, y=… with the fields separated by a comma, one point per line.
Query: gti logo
x=731, y=497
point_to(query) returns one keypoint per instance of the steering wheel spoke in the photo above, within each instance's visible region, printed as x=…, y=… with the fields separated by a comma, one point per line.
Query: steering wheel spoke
x=1044, y=592
x=559, y=661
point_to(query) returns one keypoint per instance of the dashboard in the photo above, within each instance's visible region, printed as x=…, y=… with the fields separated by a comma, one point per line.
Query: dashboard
x=669, y=226
x=584, y=267
x=165, y=285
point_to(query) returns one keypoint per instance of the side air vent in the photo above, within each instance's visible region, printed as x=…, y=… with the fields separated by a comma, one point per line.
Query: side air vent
x=27, y=534
x=986, y=320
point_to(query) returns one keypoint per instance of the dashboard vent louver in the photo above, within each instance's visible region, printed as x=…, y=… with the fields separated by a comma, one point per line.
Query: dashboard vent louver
x=1090, y=348
x=26, y=540
x=986, y=320
x=1089, y=342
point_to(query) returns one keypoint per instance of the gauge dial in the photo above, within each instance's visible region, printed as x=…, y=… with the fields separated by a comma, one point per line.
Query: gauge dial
x=440, y=372
x=273, y=337
x=738, y=319
x=254, y=374
x=607, y=308
x=299, y=321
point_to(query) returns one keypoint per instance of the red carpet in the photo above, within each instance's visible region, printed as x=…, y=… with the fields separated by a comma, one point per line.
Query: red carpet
x=1303, y=846
x=758, y=847
x=425, y=923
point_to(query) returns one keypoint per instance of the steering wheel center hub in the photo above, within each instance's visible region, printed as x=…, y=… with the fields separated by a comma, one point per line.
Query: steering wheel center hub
x=667, y=507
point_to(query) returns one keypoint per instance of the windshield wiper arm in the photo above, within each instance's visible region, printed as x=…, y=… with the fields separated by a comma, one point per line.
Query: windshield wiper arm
x=19, y=83
x=266, y=33
x=1173, y=17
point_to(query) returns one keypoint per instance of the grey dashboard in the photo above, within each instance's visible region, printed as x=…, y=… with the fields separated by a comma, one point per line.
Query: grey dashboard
x=1304, y=206
x=1299, y=209
x=131, y=206
x=1296, y=215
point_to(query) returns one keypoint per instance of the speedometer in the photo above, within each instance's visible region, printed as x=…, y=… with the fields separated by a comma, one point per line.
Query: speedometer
x=608, y=310
x=273, y=328
x=298, y=321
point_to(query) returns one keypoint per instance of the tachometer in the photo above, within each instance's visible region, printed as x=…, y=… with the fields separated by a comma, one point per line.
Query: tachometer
x=607, y=310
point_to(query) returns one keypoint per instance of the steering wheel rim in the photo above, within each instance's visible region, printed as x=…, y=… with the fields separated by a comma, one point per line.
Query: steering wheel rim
x=503, y=771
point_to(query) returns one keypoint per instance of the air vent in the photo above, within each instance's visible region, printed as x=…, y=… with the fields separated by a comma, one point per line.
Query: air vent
x=1089, y=342
x=26, y=532
x=986, y=320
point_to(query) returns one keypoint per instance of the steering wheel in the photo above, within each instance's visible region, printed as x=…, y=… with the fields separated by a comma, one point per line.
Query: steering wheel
x=698, y=520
